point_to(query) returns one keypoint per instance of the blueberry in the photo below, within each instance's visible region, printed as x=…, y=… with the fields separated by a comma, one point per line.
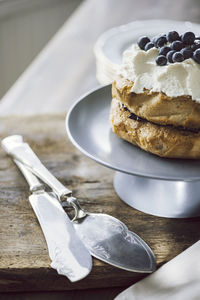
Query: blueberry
x=188, y=38
x=148, y=46
x=142, y=41
x=196, y=56
x=195, y=46
x=164, y=50
x=169, y=55
x=154, y=40
x=160, y=41
x=187, y=53
x=177, y=45
x=173, y=36
x=177, y=57
x=161, y=60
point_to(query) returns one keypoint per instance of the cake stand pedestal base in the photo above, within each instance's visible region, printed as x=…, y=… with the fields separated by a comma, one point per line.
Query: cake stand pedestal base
x=164, y=198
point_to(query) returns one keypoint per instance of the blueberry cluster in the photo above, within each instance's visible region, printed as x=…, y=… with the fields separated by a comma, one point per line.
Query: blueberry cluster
x=173, y=47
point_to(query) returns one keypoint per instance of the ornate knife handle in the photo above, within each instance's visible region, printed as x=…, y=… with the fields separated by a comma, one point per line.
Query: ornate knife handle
x=15, y=146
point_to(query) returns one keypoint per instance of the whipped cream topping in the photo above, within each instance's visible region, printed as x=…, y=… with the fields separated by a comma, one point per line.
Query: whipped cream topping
x=174, y=80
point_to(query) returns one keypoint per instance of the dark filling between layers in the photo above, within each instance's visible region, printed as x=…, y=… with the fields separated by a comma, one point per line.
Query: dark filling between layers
x=139, y=119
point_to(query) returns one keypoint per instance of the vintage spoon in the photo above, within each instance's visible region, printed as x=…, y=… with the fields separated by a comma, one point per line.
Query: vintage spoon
x=107, y=238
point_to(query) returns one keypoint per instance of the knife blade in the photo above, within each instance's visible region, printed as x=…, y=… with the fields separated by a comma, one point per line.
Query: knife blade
x=67, y=252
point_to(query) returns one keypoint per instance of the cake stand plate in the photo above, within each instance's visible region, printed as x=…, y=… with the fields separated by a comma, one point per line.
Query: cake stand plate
x=158, y=186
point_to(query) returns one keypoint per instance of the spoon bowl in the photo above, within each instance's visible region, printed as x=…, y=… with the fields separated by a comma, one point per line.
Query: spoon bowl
x=109, y=240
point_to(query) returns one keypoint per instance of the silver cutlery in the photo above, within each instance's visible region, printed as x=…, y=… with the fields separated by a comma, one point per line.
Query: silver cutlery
x=67, y=252
x=107, y=238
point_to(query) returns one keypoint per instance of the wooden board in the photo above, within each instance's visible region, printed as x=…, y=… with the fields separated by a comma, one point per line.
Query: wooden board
x=24, y=261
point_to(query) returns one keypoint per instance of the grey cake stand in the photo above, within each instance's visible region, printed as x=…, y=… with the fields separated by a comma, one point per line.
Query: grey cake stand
x=154, y=185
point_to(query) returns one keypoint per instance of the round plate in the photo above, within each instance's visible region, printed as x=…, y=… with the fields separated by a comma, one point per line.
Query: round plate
x=89, y=129
x=112, y=43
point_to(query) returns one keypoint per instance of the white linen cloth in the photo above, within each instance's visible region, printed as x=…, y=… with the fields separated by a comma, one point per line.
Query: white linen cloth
x=179, y=279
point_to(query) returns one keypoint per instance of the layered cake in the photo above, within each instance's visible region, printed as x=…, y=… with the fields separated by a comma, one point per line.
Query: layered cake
x=156, y=95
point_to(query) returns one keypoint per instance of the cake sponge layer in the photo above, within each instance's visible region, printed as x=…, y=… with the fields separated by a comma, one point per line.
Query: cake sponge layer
x=164, y=141
x=157, y=107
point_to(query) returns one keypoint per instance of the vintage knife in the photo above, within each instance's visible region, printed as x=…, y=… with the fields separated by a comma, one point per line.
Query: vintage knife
x=68, y=254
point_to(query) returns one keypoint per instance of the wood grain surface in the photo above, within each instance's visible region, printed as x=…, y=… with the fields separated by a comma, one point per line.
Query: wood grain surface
x=24, y=261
